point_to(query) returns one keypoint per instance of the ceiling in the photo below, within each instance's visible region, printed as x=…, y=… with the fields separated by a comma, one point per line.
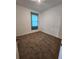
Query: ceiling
x=40, y=7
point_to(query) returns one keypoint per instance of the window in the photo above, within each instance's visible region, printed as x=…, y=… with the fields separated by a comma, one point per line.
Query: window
x=34, y=21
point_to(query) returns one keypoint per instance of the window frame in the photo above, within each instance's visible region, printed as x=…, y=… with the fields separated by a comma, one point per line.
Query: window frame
x=34, y=28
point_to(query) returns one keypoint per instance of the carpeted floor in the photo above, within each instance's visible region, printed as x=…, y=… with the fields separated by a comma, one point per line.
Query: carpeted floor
x=38, y=45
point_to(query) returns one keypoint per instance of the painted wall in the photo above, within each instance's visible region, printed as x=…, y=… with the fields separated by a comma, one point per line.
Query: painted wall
x=51, y=21
x=23, y=20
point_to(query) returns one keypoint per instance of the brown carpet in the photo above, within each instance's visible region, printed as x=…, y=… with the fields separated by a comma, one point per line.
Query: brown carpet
x=38, y=45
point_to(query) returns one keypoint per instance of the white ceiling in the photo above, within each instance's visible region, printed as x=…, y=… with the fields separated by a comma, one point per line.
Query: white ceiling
x=40, y=7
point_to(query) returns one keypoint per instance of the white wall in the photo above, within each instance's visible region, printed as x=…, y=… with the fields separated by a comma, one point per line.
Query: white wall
x=23, y=20
x=51, y=21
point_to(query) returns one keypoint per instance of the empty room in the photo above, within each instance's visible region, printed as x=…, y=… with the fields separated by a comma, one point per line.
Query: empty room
x=38, y=29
